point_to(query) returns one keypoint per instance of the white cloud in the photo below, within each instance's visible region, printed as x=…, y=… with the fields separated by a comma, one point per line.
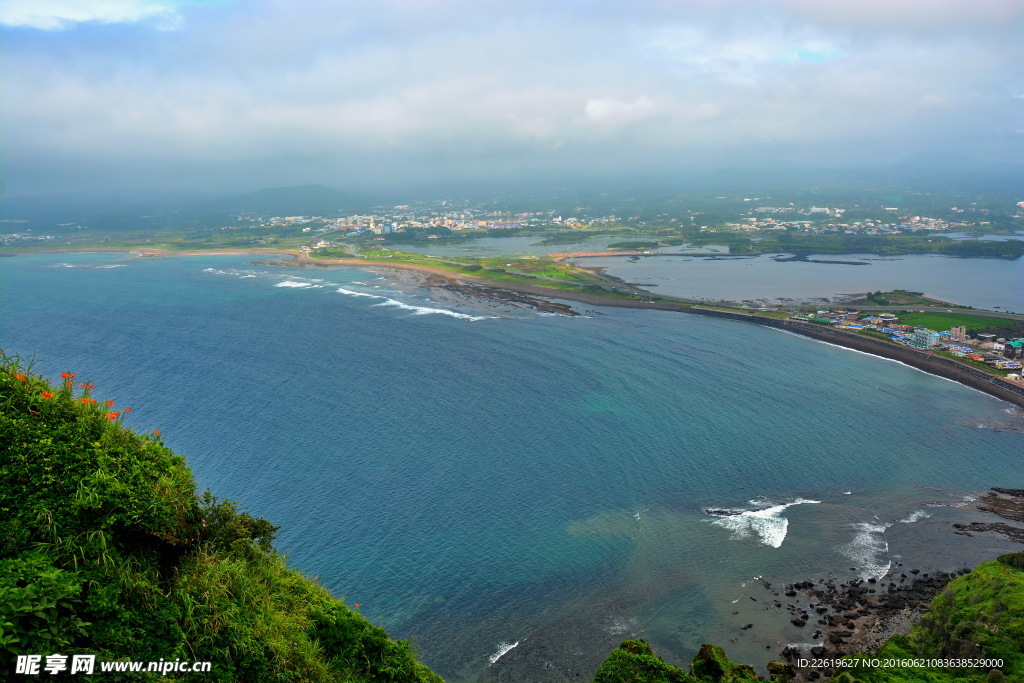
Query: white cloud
x=612, y=112
x=61, y=14
x=418, y=84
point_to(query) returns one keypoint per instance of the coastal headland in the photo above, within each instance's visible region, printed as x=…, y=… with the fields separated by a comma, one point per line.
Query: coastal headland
x=922, y=360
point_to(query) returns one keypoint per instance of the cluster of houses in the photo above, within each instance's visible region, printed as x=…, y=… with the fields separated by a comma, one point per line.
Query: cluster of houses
x=1000, y=353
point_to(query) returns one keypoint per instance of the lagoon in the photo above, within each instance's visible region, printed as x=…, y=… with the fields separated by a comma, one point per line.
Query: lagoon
x=780, y=278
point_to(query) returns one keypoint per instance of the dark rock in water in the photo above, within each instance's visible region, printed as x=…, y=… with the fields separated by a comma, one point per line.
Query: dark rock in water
x=722, y=512
x=797, y=622
x=915, y=571
x=790, y=594
x=744, y=628
x=818, y=650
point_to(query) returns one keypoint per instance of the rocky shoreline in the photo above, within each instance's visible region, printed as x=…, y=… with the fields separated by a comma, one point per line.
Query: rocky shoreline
x=855, y=616
x=1005, y=503
x=858, y=616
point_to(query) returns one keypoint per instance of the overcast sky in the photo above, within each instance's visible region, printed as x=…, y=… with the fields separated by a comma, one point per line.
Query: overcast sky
x=101, y=94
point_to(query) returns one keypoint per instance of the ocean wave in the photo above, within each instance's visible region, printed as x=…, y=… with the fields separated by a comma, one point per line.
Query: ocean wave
x=869, y=550
x=342, y=290
x=768, y=523
x=915, y=516
x=292, y=283
x=502, y=649
x=426, y=310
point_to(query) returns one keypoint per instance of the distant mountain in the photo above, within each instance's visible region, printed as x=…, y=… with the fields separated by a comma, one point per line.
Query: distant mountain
x=303, y=200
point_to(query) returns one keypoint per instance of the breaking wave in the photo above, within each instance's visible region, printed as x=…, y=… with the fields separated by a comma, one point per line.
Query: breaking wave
x=502, y=649
x=869, y=550
x=768, y=524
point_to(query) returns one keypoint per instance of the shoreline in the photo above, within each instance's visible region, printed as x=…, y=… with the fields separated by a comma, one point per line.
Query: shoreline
x=922, y=360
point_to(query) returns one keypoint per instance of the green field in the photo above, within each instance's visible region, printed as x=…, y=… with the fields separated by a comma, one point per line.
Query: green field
x=943, y=321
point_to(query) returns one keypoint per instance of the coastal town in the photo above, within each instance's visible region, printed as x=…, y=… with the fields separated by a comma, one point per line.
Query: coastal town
x=999, y=353
x=441, y=218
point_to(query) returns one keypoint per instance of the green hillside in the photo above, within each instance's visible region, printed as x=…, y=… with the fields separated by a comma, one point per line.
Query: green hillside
x=106, y=548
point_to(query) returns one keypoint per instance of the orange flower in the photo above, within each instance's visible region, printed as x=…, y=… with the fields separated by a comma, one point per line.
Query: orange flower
x=88, y=401
x=91, y=386
x=110, y=403
x=47, y=394
x=156, y=431
x=20, y=377
x=65, y=375
x=112, y=415
x=127, y=410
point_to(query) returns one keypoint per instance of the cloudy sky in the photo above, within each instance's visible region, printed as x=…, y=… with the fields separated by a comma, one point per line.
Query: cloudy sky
x=252, y=93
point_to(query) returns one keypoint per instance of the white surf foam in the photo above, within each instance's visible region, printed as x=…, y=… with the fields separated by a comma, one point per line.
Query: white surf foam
x=292, y=283
x=502, y=649
x=426, y=310
x=915, y=516
x=768, y=524
x=342, y=290
x=869, y=550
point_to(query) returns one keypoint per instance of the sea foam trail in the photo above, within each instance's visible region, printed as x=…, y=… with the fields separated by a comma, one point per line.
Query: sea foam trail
x=502, y=649
x=915, y=516
x=292, y=283
x=869, y=550
x=426, y=310
x=342, y=290
x=768, y=523
x=418, y=310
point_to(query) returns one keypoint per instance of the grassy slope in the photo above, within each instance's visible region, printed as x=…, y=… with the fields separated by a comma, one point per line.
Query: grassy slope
x=105, y=548
x=979, y=615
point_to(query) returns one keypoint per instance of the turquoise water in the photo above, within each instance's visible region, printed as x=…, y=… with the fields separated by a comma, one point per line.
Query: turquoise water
x=477, y=481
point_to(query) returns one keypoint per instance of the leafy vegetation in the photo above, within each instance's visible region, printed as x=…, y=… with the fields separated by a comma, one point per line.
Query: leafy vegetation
x=898, y=297
x=106, y=549
x=979, y=616
x=635, y=662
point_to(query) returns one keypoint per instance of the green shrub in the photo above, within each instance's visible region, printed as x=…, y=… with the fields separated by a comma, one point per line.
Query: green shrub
x=106, y=548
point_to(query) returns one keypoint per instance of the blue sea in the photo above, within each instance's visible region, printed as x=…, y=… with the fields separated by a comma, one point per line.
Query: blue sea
x=517, y=489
